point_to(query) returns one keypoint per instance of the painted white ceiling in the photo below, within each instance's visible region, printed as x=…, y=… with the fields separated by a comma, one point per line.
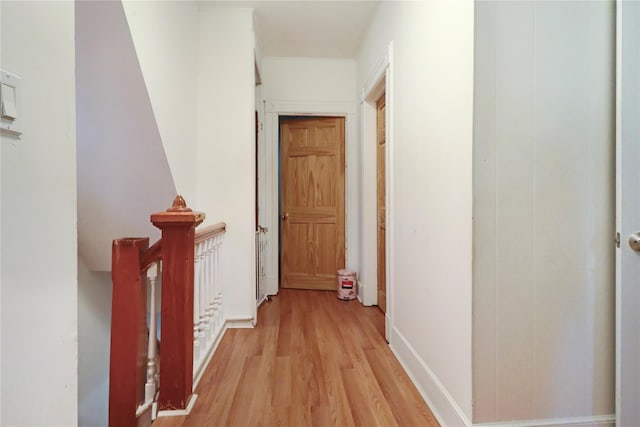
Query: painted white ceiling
x=308, y=28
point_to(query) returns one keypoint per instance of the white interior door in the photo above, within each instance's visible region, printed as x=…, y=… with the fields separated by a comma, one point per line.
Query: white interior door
x=628, y=215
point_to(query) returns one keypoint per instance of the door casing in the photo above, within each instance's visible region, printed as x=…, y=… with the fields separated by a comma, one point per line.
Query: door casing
x=380, y=81
x=273, y=111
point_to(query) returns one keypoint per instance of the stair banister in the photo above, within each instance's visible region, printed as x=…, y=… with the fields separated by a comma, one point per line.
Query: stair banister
x=150, y=378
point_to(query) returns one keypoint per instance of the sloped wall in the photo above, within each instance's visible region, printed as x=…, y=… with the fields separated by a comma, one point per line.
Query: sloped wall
x=165, y=37
x=123, y=173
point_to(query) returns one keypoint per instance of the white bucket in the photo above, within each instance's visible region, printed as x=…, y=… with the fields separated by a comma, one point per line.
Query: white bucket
x=347, y=285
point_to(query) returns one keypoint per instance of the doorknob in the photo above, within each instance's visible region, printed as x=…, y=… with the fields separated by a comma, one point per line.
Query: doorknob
x=285, y=216
x=634, y=241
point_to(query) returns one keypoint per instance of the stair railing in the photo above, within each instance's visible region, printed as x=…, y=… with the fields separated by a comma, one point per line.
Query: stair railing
x=143, y=377
x=208, y=316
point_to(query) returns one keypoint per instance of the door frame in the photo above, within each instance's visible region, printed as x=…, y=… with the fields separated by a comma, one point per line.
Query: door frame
x=627, y=212
x=379, y=82
x=273, y=110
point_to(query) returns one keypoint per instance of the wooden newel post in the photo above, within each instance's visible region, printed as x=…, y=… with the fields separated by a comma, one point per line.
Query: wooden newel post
x=128, y=332
x=178, y=226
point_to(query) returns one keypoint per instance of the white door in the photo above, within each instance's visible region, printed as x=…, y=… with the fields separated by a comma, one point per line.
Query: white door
x=628, y=215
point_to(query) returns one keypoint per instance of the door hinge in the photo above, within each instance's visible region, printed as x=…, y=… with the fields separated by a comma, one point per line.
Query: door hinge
x=617, y=240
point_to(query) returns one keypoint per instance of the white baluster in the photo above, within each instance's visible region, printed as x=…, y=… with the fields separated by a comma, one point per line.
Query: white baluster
x=217, y=284
x=211, y=303
x=196, y=307
x=202, y=320
x=204, y=301
x=207, y=316
x=152, y=350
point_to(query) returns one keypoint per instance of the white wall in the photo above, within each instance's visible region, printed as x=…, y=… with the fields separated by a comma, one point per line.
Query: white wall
x=543, y=210
x=225, y=164
x=94, y=332
x=165, y=36
x=309, y=79
x=431, y=194
x=320, y=86
x=39, y=250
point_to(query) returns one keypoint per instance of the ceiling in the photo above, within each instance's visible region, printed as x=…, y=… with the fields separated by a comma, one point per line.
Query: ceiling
x=309, y=28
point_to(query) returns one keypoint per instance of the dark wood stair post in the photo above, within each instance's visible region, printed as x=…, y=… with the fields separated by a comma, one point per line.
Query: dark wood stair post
x=128, y=332
x=178, y=225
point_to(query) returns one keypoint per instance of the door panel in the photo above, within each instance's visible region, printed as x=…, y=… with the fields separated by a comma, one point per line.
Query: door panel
x=628, y=221
x=312, y=204
x=381, y=202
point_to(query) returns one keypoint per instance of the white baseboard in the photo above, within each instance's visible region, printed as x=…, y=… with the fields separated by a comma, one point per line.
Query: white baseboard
x=271, y=285
x=361, y=292
x=444, y=408
x=447, y=411
x=263, y=299
x=180, y=412
x=240, y=323
x=388, y=326
x=591, y=421
x=366, y=296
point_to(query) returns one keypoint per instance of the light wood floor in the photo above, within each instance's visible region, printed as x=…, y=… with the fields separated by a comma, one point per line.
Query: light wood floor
x=313, y=360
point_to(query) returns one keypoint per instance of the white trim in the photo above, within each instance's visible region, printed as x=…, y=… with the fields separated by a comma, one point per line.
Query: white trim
x=380, y=81
x=372, y=88
x=591, y=421
x=448, y=412
x=179, y=412
x=263, y=299
x=240, y=323
x=274, y=109
x=390, y=188
x=310, y=108
x=361, y=287
x=439, y=400
x=369, y=219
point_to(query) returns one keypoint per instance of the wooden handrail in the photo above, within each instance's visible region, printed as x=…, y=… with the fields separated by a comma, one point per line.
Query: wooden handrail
x=151, y=256
x=210, y=231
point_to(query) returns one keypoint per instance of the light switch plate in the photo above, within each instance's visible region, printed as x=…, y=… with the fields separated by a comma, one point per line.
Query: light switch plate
x=10, y=108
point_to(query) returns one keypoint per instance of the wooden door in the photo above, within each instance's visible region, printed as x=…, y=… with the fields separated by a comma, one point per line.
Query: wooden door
x=312, y=202
x=381, y=198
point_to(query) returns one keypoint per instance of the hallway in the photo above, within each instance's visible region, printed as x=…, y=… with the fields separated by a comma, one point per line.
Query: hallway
x=313, y=360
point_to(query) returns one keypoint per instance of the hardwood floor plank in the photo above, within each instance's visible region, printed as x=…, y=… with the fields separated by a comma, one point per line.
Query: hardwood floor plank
x=340, y=413
x=312, y=360
x=239, y=414
x=399, y=391
x=282, y=382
